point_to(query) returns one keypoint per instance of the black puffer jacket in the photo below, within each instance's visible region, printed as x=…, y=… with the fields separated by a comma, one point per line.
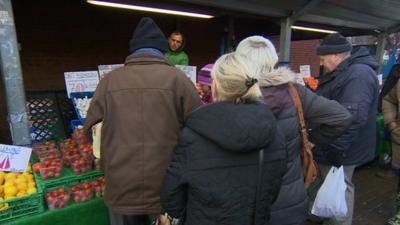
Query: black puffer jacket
x=214, y=171
x=330, y=120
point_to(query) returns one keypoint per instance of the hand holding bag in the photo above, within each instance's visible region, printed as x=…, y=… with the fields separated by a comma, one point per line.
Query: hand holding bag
x=163, y=219
x=310, y=169
x=331, y=197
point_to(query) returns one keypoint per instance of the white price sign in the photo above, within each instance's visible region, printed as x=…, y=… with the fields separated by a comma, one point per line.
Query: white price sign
x=305, y=70
x=84, y=81
x=190, y=72
x=104, y=69
x=14, y=158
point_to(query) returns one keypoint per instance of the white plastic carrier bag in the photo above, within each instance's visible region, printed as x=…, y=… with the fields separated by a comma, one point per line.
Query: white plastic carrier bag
x=331, y=197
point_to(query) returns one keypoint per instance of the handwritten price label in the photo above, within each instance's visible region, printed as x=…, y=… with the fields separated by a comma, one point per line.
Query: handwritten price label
x=14, y=158
x=85, y=81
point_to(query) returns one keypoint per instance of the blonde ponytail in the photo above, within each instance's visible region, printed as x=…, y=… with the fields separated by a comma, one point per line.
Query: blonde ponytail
x=235, y=79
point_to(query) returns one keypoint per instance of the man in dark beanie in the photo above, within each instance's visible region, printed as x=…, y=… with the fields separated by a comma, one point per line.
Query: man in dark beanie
x=142, y=106
x=349, y=79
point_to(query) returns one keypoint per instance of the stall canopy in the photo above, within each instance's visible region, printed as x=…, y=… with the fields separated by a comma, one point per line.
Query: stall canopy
x=374, y=16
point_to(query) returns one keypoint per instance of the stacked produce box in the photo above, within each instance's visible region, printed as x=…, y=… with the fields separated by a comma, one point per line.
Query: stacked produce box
x=69, y=176
x=61, y=173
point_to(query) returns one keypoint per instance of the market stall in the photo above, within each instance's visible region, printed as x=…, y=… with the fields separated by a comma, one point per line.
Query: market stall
x=63, y=182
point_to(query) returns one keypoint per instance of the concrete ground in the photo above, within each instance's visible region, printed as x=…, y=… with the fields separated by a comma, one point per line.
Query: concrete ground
x=374, y=197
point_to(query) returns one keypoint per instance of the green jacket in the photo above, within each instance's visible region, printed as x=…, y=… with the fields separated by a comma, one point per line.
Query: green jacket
x=177, y=58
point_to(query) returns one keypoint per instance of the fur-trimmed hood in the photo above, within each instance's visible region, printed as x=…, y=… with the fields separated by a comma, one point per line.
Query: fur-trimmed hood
x=281, y=75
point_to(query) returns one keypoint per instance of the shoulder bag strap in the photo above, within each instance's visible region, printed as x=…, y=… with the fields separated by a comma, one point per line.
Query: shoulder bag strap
x=259, y=184
x=299, y=108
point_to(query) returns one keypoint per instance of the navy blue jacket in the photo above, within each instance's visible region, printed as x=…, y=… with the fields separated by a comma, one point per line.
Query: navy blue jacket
x=355, y=86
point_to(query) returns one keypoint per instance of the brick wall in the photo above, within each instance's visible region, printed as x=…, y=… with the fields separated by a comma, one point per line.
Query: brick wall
x=304, y=53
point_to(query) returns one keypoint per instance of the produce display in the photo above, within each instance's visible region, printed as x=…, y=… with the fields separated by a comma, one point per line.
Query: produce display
x=14, y=185
x=76, y=153
x=99, y=186
x=50, y=168
x=82, y=192
x=68, y=144
x=55, y=176
x=57, y=198
x=86, y=151
x=81, y=165
x=69, y=156
x=43, y=148
x=69, y=151
x=311, y=82
x=79, y=136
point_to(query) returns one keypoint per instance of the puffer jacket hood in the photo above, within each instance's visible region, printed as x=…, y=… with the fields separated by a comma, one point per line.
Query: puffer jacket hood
x=363, y=56
x=233, y=131
x=358, y=56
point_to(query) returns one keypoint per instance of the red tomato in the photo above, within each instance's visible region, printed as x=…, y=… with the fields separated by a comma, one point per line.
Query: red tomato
x=96, y=183
x=74, y=189
x=86, y=185
x=36, y=167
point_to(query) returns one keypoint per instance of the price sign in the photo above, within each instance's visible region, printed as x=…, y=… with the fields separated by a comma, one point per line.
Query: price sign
x=14, y=158
x=104, y=69
x=84, y=81
x=190, y=72
x=305, y=70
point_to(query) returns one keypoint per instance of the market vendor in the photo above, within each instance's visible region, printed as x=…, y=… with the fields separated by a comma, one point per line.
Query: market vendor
x=175, y=54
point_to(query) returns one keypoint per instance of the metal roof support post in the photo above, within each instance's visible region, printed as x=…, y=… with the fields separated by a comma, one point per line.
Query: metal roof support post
x=284, y=42
x=12, y=77
x=380, y=49
x=231, y=34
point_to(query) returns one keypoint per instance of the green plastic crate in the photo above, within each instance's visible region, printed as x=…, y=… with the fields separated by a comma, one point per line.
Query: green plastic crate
x=67, y=178
x=22, y=206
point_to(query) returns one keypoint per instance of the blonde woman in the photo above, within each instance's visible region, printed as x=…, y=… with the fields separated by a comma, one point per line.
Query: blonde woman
x=328, y=118
x=227, y=167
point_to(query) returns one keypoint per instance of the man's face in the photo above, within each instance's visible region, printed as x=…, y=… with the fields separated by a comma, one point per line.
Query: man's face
x=330, y=62
x=175, y=41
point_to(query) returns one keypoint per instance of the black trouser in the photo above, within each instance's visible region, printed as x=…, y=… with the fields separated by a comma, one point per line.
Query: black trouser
x=119, y=219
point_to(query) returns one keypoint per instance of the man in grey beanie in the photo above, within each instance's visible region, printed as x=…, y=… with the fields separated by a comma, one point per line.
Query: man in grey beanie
x=349, y=79
x=143, y=106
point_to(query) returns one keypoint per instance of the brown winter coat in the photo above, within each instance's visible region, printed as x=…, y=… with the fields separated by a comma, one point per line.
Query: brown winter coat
x=143, y=106
x=391, y=113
